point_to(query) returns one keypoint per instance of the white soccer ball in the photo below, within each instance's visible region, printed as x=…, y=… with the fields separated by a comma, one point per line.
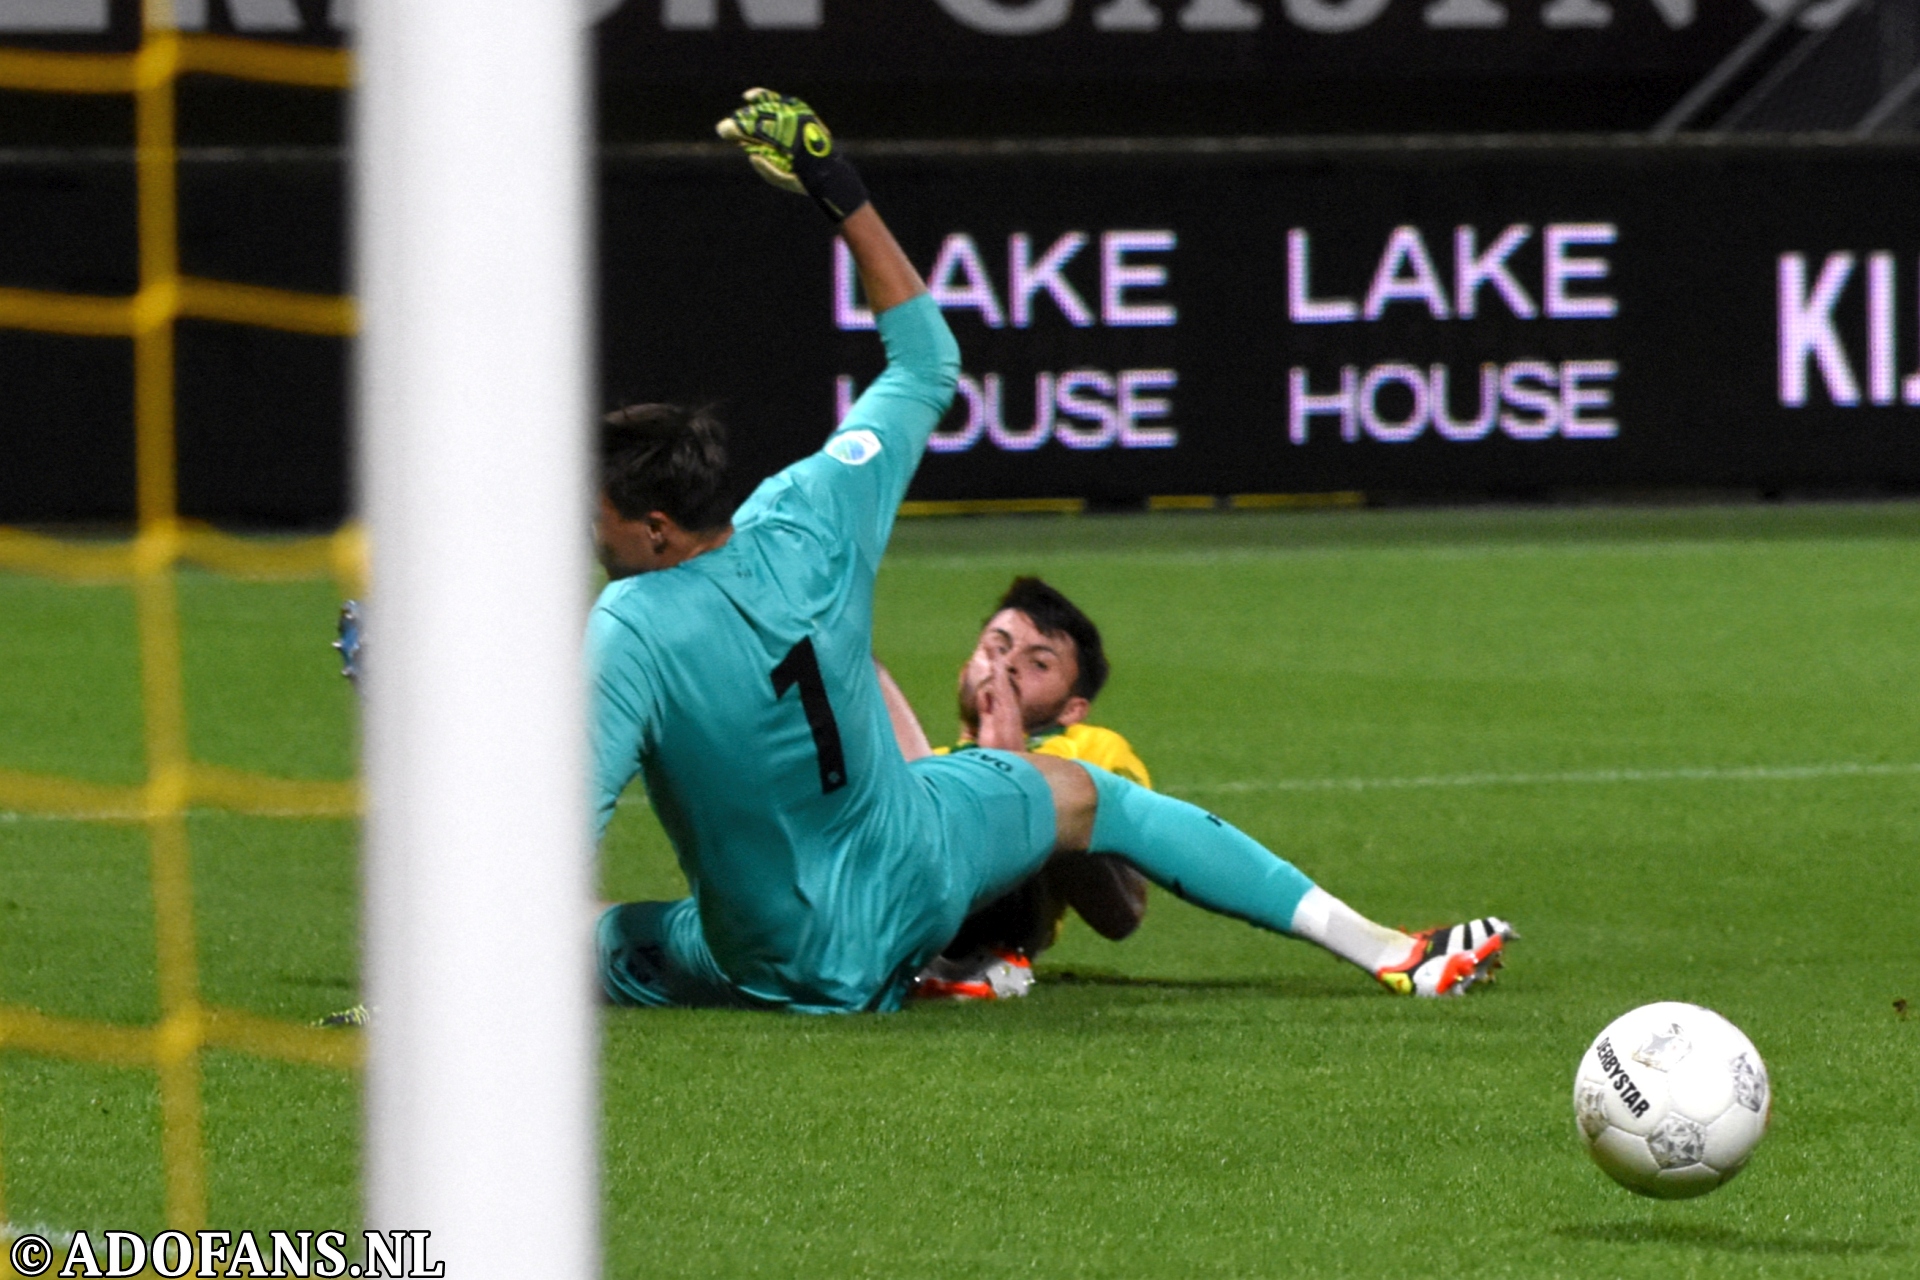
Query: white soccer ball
x=1671, y=1099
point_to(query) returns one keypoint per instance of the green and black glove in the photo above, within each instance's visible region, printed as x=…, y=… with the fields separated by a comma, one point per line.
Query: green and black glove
x=789, y=147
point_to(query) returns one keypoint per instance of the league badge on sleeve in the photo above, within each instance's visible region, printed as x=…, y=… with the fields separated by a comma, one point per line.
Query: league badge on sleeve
x=855, y=448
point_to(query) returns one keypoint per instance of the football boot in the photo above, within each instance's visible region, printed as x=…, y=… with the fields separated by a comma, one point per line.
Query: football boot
x=984, y=975
x=1447, y=961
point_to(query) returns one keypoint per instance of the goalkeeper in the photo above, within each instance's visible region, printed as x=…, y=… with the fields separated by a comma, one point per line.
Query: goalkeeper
x=732, y=666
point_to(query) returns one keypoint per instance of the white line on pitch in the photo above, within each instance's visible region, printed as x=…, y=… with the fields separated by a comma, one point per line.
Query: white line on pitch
x=1730, y=773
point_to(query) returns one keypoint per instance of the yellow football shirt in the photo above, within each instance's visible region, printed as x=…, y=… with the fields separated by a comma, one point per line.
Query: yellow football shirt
x=1095, y=745
x=1087, y=742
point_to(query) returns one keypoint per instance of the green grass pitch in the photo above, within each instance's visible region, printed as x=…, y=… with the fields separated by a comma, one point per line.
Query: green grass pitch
x=1629, y=731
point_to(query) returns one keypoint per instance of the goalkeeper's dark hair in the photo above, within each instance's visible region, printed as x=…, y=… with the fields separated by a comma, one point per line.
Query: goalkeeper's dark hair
x=1055, y=615
x=662, y=457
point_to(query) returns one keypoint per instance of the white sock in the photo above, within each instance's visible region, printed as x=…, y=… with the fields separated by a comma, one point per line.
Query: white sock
x=1324, y=919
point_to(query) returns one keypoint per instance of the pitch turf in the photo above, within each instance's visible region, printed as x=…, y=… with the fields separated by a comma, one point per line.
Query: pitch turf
x=1676, y=747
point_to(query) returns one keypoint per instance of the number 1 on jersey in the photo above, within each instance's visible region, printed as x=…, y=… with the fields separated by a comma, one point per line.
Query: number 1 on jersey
x=801, y=667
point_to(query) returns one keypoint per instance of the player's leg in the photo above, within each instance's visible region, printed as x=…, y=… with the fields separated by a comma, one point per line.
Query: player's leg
x=1105, y=890
x=991, y=820
x=992, y=956
x=654, y=954
x=1208, y=862
x=1024, y=920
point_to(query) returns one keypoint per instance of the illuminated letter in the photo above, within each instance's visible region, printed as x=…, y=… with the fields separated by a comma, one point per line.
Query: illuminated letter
x=1076, y=405
x=1302, y=306
x=1034, y=436
x=847, y=311
x=1117, y=276
x=1577, y=13
x=1880, y=328
x=1465, y=13
x=1470, y=271
x=1469, y=429
x=1910, y=385
x=1381, y=429
x=1027, y=277
x=1561, y=268
x=1132, y=406
x=959, y=256
x=1406, y=246
x=53, y=15
x=1303, y=405
x=1545, y=403
x=1126, y=15
x=998, y=19
x=1330, y=17
x=968, y=434
x=1574, y=398
x=1220, y=15
x=1806, y=329
x=699, y=15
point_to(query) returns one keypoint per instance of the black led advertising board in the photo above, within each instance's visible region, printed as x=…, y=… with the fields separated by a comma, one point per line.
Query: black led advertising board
x=1438, y=319
x=961, y=68
x=681, y=41
x=1443, y=319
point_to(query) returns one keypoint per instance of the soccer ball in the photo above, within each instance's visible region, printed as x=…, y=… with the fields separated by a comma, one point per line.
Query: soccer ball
x=1671, y=1099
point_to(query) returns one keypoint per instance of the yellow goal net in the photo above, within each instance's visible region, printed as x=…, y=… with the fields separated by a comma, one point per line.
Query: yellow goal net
x=175, y=782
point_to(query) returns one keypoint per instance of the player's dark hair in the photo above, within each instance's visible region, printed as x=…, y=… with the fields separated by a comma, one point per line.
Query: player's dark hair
x=661, y=457
x=1055, y=615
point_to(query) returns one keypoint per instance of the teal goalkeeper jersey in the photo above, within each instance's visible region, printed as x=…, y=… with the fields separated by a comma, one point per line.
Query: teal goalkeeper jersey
x=740, y=685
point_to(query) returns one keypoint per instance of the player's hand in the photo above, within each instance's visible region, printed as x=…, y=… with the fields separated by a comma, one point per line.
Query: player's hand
x=998, y=701
x=790, y=147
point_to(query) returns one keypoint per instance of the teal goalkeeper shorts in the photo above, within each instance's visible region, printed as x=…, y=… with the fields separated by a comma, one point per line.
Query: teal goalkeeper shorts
x=992, y=824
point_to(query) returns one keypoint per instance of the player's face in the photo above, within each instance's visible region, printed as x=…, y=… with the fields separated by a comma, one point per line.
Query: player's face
x=625, y=547
x=1041, y=668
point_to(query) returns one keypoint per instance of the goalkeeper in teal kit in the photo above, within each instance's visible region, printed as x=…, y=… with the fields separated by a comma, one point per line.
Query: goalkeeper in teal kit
x=732, y=667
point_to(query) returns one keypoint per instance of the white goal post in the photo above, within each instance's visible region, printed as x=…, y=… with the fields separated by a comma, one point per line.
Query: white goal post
x=471, y=235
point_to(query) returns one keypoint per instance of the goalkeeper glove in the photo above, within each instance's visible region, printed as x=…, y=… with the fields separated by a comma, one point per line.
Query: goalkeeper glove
x=788, y=146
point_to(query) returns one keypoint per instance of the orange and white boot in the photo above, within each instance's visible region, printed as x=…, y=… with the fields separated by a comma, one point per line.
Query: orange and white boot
x=984, y=975
x=1447, y=961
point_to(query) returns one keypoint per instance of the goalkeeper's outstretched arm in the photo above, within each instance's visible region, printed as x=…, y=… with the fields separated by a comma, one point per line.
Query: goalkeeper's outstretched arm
x=791, y=148
x=885, y=274
x=877, y=446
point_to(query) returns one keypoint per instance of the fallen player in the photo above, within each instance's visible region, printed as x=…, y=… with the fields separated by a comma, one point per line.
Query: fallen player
x=1056, y=666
